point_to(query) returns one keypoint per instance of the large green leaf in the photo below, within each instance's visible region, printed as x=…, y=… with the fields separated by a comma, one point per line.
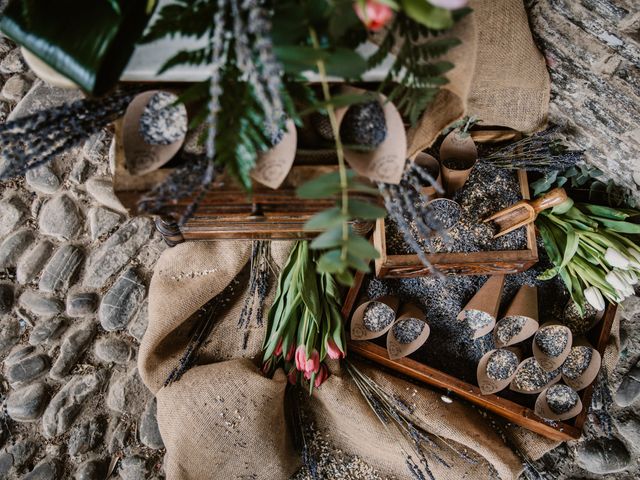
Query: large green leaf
x=365, y=210
x=604, y=212
x=328, y=239
x=326, y=219
x=323, y=186
x=345, y=63
x=571, y=247
x=620, y=227
x=361, y=247
x=428, y=15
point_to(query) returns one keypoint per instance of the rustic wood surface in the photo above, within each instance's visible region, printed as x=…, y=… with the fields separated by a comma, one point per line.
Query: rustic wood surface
x=592, y=49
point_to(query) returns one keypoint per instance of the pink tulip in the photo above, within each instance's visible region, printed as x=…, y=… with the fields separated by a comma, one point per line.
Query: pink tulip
x=374, y=15
x=266, y=367
x=278, y=351
x=290, y=353
x=449, y=4
x=301, y=358
x=313, y=363
x=333, y=350
x=293, y=376
x=323, y=374
x=307, y=375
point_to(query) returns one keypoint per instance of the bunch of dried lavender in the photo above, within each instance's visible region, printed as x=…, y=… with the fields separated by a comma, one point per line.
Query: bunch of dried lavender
x=406, y=199
x=602, y=403
x=298, y=426
x=258, y=285
x=36, y=139
x=541, y=152
x=394, y=412
x=206, y=319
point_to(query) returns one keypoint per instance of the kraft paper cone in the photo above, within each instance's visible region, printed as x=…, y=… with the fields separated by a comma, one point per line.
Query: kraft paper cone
x=386, y=163
x=591, y=372
x=548, y=362
x=431, y=165
x=580, y=327
x=141, y=157
x=463, y=150
x=524, y=304
x=359, y=331
x=552, y=380
x=273, y=166
x=489, y=385
x=487, y=300
x=397, y=349
x=542, y=409
x=45, y=72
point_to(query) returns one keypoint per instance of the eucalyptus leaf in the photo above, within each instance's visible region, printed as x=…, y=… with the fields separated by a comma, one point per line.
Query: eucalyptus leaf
x=365, y=210
x=323, y=186
x=328, y=239
x=331, y=262
x=428, y=15
x=360, y=247
x=345, y=63
x=326, y=219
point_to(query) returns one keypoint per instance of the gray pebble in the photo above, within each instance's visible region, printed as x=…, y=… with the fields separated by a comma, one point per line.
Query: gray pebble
x=127, y=393
x=117, y=436
x=23, y=452
x=24, y=366
x=15, y=88
x=40, y=304
x=60, y=217
x=27, y=403
x=61, y=269
x=13, y=63
x=629, y=428
x=9, y=333
x=102, y=221
x=80, y=171
x=133, y=468
x=43, y=179
x=13, y=214
x=101, y=189
x=602, y=456
x=81, y=304
x=149, y=431
x=47, y=329
x=86, y=436
x=138, y=326
x=32, y=262
x=629, y=389
x=6, y=298
x=94, y=469
x=47, y=469
x=122, y=301
x=74, y=344
x=14, y=246
x=6, y=462
x=113, y=350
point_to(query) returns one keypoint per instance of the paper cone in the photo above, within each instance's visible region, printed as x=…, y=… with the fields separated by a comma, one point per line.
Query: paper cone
x=45, y=72
x=396, y=349
x=487, y=300
x=387, y=161
x=358, y=329
x=273, y=166
x=463, y=149
x=580, y=327
x=524, y=304
x=522, y=367
x=542, y=409
x=547, y=362
x=489, y=385
x=141, y=157
x=431, y=165
x=590, y=374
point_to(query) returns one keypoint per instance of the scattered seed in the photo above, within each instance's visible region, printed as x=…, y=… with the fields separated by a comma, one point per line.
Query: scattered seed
x=531, y=377
x=502, y=364
x=508, y=327
x=458, y=163
x=561, y=398
x=477, y=319
x=408, y=329
x=577, y=362
x=378, y=316
x=552, y=340
x=444, y=211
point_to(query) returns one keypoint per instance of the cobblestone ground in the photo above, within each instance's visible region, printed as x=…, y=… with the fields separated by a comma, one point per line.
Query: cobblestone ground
x=74, y=273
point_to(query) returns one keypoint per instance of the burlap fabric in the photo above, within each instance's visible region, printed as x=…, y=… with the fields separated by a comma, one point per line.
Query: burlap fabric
x=499, y=75
x=224, y=420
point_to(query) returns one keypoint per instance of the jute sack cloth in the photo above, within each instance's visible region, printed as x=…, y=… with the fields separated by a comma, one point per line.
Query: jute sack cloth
x=223, y=419
x=499, y=75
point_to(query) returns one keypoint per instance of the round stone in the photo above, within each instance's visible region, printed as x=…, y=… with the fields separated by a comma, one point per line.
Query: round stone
x=113, y=350
x=603, y=456
x=27, y=404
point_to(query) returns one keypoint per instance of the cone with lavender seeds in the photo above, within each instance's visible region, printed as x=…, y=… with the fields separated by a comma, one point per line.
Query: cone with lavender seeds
x=581, y=366
x=374, y=318
x=496, y=369
x=481, y=311
x=558, y=402
x=458, y=155
x=531, y=378
x=432, y=166
x=551, y=345
x=273, y=166
x=408, y=333
x=520, y=321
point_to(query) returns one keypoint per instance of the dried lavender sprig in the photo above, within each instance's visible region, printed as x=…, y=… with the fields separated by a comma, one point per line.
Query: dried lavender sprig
x=258, y=283
x=293, y=395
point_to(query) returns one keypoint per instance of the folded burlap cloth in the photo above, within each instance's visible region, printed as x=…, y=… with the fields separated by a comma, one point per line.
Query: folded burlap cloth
x=223, y=419
x=499, y=76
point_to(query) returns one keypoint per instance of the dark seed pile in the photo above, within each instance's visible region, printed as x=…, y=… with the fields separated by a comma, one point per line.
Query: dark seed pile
x=477, y=319
x=501, y=364
x=561, y=398
x=446, y=212
x=487, y=191
x=579, y=324
x=322, y=125
x=457, y=163
x=577, y=362
x=531, y=377
x=161, y=122
x=364, y=126
x=407, y=330
x=509, y=327
x=552, y=340
x=378, y=316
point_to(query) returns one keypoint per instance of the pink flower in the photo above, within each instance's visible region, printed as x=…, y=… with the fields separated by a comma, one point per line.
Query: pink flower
x=322, y=375
x=313, y=363
x=266, y=367
x=333, y=350
x=374, y=15
x=278, y=351
x=293, y=376
x=301, y=358
x=307, y=375
x=292, y=350
x=449, y=4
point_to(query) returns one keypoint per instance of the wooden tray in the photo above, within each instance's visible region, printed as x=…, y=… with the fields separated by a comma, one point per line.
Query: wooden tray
x=458, y=263
x=513, y=412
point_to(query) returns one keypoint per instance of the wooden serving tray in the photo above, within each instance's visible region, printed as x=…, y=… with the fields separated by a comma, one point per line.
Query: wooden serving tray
x=511, y=411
